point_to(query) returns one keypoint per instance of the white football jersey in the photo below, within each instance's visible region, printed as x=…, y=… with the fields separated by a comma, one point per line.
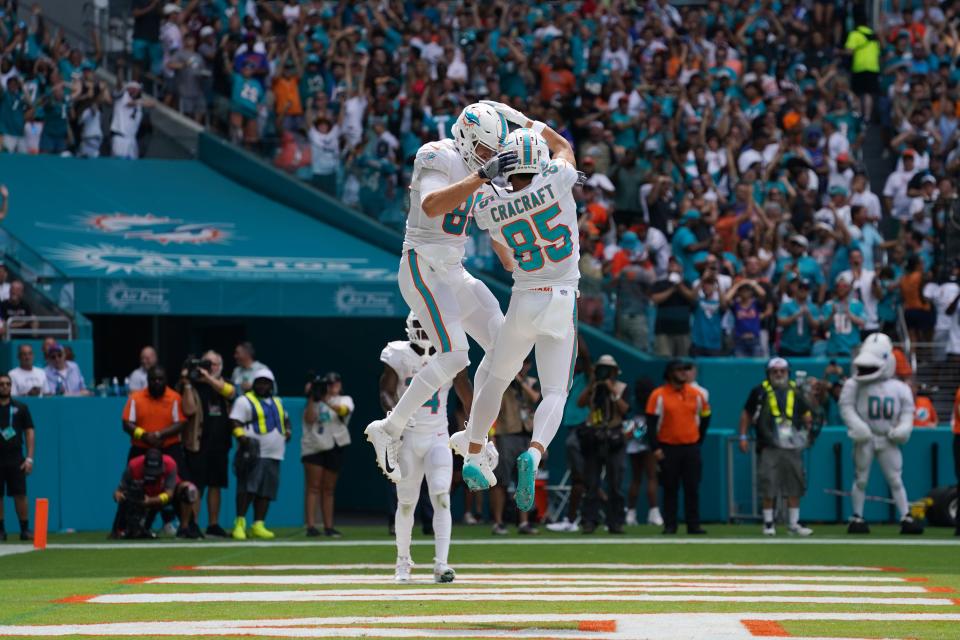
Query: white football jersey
x=880, y=404
x=539, y=223
x=437, y=165
x=400, y=357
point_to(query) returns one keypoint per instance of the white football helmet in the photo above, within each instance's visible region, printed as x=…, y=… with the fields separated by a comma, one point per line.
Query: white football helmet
x=416, y=334
x=479, y=125
x=532, y=151
x=875, y=360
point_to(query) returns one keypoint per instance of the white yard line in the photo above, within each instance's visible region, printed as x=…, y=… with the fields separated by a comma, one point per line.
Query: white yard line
x=479, y=576
x=537, y=582
x=558, y=594
x=686, y=626
x=14, y=549
x=559, y=566
x=580, y=541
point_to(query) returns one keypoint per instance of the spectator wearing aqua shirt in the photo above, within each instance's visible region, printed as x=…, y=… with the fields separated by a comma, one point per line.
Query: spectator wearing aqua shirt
x=707, y=337
x=685, y=245
x=624, y=125
x=801, y=265
x=13, y=109
x=56, y=110
x=799, y=318
x=843, y=317
x=246, y=98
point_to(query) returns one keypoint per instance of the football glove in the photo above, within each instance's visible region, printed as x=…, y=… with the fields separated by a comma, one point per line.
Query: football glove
x=496, y=165
x=512, y=115
x=581, y=178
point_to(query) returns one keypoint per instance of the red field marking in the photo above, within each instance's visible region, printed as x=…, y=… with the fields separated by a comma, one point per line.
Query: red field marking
x=916, y=579
x=74, y=599
x=766, y=628
x=186, y=567
x=956, y=600
x=607, y=626
x=941, y=589
x=137, y=580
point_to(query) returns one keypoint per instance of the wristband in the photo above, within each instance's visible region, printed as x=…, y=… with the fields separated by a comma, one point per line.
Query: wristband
x=228, y=390
x=743, y=437
x=30, y=460
x=538, y=126
x=239, y=432
x=164, y=498
x=138, y=433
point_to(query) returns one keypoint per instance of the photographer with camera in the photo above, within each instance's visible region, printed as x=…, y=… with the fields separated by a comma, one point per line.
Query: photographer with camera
x=325, y=434
x=675, y=302
x=207, y=438
x=262, y=429
x=150, y=483
x=602, y=444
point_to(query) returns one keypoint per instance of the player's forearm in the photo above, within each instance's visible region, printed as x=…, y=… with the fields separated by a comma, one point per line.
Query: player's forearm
x=448, y=198
x=30, y=443
x=559, y=146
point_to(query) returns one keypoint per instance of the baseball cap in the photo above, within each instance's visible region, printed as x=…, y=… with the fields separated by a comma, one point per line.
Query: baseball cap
x=690, y=214
x=206, y=31
x=844, y=157
x=607, y=360
x=152, y=464
x=629, y=240
x=800, y=240
x=928, y=179
x=804, y=282
x=55, y=348
x=837, y=189
x=589, y=160
x=909, y=152
x=843, y=278
x=778, y=363
x=171, y=7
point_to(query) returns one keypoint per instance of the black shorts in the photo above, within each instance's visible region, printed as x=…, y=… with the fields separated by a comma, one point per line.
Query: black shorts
x=920, y=319
x=12, y=479
x=865, y=83
x=331, y=460
x=209, y=468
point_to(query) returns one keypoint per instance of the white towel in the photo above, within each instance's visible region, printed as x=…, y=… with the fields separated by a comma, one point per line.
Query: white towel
x=557, y=317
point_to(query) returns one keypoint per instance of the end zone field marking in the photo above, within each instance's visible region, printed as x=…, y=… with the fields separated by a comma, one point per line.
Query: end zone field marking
x=480, y=576
x=558, y=586
x=541, y=565
x=653, y=626
x=766, y=628
x=557, y=594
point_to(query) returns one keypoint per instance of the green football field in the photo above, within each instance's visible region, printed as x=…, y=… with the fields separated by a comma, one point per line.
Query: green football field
x=733, y=584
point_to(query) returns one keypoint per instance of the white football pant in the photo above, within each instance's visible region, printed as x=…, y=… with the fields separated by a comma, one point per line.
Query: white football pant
x=425, y=454
x=890, y=459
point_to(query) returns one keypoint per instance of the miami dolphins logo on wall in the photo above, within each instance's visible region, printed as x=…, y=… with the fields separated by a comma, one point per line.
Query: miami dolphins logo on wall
x=161, y=229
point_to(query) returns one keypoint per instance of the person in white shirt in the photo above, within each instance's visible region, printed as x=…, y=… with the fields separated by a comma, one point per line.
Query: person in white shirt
x=125, y=124
x=138, y=378
x=863, y=196
x=862, y=284
x=27, y=379
x=248, y=368
x=895, y=189
x=942, y=295
x=325, y=152
x=4, y=285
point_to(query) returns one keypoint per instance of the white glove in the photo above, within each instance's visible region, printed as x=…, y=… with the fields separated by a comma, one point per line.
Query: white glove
x=858, y=434
x=508, y=112
x=899, y=436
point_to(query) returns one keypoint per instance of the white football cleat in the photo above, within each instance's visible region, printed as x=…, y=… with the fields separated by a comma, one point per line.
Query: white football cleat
x=460, y=443
x=769, y=529
x=386, y=447
x=403, y=570
x=631, y=518
x=443, y=573
x=799, y=530
x=654, y=517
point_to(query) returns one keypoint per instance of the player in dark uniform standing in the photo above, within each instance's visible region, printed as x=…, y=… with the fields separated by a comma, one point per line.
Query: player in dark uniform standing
x=16, y=429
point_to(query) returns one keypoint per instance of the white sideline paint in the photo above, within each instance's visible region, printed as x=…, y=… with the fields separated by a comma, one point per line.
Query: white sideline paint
x=616, y=585
x=342, y=578
x=660, y=626
x=541, y=565
x=555, y=594
x=580, y=541
x=13, y=549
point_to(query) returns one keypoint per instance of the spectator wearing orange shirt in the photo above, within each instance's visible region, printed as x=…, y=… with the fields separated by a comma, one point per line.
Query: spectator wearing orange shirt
x=916, y=308
x=286, y=91
x=154, y=419
x=556, y=79
x=678, y=415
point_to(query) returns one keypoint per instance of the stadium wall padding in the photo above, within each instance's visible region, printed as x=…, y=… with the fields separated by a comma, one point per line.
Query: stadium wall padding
x=81, y=452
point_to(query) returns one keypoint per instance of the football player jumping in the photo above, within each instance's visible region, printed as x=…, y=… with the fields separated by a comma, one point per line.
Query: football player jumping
x=537, y=221
x=425, y=450
x=449, y=178
x=878, y=411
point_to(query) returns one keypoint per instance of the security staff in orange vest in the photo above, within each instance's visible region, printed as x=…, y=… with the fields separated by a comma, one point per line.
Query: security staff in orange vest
x=678, y=415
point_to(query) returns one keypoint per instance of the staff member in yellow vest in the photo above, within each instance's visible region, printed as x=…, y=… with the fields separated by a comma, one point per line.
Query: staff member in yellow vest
x=782, y=420
x=262, y=429
x=864, y=47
